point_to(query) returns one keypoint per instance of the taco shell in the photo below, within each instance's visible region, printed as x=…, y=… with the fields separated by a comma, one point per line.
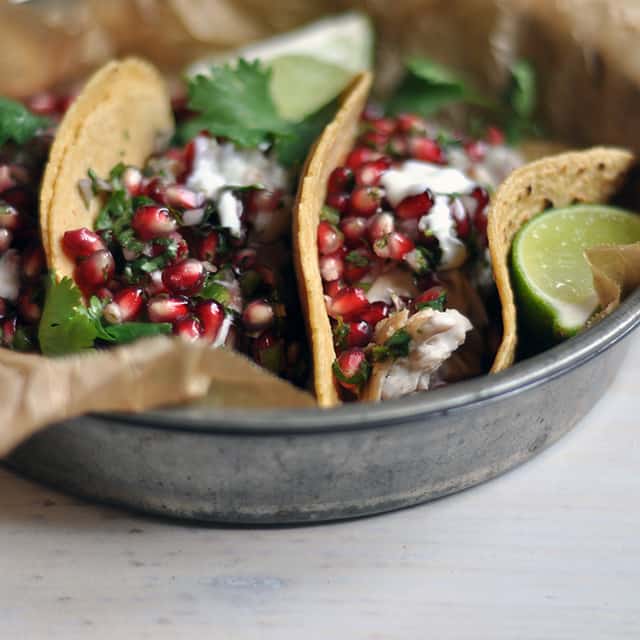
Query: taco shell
x=590, y=176
x=122, y=112
x=329, y=152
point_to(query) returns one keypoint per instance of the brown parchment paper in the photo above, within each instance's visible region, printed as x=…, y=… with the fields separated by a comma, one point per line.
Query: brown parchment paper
x=37, y=391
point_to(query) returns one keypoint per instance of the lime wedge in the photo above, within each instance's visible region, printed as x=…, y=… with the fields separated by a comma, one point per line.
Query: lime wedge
x=311, y=65
x=301, y=84
x=552, y=281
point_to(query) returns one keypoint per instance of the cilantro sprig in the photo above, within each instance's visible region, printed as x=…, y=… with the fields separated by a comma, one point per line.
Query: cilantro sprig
x=429, y=87
x=234, y=102
x=397, y=346
x=68, y=326
x=17, y=123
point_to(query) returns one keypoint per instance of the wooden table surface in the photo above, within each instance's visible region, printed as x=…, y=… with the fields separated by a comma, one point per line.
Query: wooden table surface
x=549, y=551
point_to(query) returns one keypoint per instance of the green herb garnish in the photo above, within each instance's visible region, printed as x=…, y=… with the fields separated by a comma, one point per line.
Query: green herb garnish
x=17, y=123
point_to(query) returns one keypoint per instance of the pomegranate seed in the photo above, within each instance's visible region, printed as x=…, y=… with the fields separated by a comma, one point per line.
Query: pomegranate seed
x=339, y=201
x=81, y=243
x=476, y=150
x=3, y=308
x=480, y=221
x=207, y=247
x=188, y=328
x=481, y=196
x=9, y=218
x=64, y=102
x=330, y=239
x=151, y=222
x=399, y=245
x=427, y=150
x=43, y=103
x=385, y=126
x=332, y=288
x=165, y=309
x=257, y=316
x=259, y=200
x=6, y=179
x=29, y=310
x=332, y=266
x=381, y=225
x=8, y=331
x=495, y=136
x=132, y=180
x=360, y=333
x=357, y=264
x=96, y=270
x=33, y=263
x=360, y=155
x=461, y=218
x=211, y=315
x=365, y=201
x=155, y=286
x=354, y=229
x=245, y=259
x=352, y=369
x=375, y=312
x=374, y=140
x=415, y=206
x=6, y=238
x=130, y=301
x=349, y=302
x=340, y=180
x=369, y=173
x=155, y=189
x=189, y=155
x=177, y=195
x=433, y=297
x=410, y=123
x=185, y=277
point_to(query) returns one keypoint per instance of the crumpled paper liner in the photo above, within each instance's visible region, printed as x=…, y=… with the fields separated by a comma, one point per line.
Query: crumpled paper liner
x=589, y=176
x=37, y=391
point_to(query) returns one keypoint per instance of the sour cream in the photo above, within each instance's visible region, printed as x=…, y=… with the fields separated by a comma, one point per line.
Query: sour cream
x=414, y=177
x=399, y=282
x=441, y=224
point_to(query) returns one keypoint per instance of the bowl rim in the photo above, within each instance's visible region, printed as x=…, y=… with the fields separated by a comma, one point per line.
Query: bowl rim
x=455, y=398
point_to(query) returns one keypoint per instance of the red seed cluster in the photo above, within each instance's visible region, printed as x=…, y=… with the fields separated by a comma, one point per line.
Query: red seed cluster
x=362, y=236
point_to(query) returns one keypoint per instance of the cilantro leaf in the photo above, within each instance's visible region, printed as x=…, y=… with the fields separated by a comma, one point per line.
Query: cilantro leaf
x=65, y=326
x=520, y=102
x=429, y=86
x=17, y=123
x=235, y=102
x=437, y=303
x=398, y=343
x=292, y=149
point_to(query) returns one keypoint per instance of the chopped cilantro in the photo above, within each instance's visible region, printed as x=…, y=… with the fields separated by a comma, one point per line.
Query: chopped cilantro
x=398, y=343
x=329, y=214
x=520, y=102
x=437, y=303
x=357, y=259
x=17, y=123
x=340, y=333
x=358, y=379
x=213, y=290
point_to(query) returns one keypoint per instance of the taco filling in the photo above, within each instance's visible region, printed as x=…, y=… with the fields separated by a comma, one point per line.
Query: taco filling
x=194, y=241
x=26, y=134
x=405, y=222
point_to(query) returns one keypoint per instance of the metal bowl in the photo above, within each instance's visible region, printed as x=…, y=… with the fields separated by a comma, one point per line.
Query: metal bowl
x=314, y=465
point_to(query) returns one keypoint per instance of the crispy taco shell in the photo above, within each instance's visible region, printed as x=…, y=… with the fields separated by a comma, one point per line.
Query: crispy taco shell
x=118, y=117
x=329, y=152
x=591, y=176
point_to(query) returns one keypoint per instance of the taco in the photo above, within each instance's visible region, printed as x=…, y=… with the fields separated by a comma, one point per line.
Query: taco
x=189, y=237
x=592, y=176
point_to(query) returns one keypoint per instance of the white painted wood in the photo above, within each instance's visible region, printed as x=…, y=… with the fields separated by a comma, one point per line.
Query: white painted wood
x=549, y=551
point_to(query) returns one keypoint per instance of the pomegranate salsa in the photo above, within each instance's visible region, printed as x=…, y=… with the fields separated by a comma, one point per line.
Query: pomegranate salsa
x=196, y=243
x=409, y=203
x=26, y=134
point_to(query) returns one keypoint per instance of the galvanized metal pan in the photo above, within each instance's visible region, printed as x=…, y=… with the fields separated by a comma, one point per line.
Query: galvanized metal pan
x=309, y=466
